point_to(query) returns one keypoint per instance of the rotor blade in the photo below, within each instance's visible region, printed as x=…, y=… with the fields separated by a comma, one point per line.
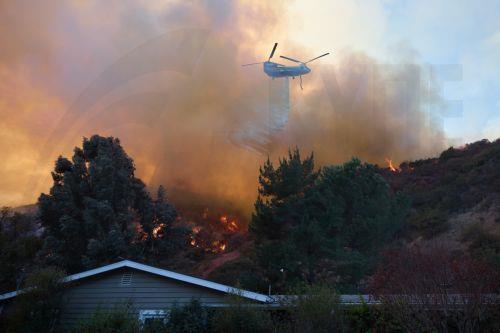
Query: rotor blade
x=274, y=49
x=294, y=60
x=318, y=57
x=254, y=63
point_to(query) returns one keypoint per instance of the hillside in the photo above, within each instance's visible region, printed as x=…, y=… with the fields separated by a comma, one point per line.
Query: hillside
x=455, y=197
x=30, y=209
x=455, y=200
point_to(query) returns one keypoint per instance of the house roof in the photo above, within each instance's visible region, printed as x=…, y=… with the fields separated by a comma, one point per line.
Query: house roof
x=343, y=299
x=160, y=272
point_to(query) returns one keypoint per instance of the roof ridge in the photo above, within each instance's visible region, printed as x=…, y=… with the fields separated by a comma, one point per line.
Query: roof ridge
x=161, y=272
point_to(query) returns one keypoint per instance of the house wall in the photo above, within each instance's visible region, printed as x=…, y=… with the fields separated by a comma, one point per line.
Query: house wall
x=146, y=292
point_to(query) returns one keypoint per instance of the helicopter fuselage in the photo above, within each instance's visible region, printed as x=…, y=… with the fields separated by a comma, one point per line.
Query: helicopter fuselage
x=273, y=69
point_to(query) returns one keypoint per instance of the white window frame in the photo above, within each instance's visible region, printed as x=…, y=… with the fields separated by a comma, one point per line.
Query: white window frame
x=153, y=314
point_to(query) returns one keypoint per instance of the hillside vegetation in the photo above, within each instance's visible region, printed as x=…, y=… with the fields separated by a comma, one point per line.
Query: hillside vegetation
x=454, y=197
x=310, y=225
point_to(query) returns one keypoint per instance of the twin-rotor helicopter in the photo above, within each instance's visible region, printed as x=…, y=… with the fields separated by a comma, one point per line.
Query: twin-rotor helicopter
x=273, y=69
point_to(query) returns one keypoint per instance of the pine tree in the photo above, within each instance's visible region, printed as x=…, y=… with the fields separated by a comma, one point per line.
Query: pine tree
x=281, y=193
x=280, y=208
x=97, y=210
x=358, y=215
x=18, y=247
x=328, y=224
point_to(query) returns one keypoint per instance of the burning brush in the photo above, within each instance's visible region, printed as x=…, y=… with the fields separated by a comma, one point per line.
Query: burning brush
x=213, y=232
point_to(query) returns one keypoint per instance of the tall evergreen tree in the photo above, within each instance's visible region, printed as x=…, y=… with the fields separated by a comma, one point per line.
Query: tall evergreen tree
x=282, y=190
x=310, y=225
x=97, y=210
x=358, y=215
x=280, y=208
x=19, y=244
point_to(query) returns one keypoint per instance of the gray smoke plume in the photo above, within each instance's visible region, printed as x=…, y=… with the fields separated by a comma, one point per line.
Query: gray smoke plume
x=173, y=90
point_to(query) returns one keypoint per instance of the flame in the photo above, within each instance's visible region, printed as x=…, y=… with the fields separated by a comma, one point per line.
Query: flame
x=230, y=225
x=390, y=165
x=141, y=235
x=212, y=232
x=218, y=246
x=157, y=231
x=233, y=226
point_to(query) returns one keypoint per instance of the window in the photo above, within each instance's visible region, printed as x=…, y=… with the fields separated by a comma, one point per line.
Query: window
x=146, y=316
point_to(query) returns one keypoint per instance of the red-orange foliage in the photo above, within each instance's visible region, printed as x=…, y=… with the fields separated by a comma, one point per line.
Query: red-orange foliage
x=434, y=289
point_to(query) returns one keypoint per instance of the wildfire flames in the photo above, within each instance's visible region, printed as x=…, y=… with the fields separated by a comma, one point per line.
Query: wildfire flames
x=212, y=233
x=158, y=231
x=231, y=225
x=391, y=166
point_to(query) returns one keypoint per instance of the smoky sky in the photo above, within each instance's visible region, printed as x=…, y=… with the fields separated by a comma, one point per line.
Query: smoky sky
x=166, y=78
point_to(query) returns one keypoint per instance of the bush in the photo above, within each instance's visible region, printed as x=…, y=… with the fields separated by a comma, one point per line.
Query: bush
x=192, y=318
x=37, y=308
x=316, y=309
x=429, y=221
x=117, y=320
x=364, y=318
x=18, y=247
x=483, y=245
x=433, y=289
x=241, y=317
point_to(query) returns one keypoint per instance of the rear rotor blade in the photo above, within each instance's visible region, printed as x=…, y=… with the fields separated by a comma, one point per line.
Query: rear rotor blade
x=274, y=49
x=291, y=59
x=254, y=63
x=317, y=57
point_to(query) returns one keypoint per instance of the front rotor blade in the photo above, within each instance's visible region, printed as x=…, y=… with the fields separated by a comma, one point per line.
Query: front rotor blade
x=291, y=59
x=254, y=63
x=274, y=49
x=318, y=57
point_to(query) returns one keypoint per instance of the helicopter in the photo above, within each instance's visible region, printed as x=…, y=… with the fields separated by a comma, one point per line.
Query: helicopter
x=274, y=70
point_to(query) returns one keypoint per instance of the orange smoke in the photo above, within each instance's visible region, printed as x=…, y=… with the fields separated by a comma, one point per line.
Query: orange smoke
x=176, y=123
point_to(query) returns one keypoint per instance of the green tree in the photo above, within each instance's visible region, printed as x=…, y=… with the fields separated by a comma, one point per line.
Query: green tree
x=97, y=210
x=242, y=317
x=19, y=244
x=281, y=205
x=317, y=309
x=322, y=225
x=358, y=215
x=122, y=318
x=190, y=318
x=36, y=309
x=164, y=238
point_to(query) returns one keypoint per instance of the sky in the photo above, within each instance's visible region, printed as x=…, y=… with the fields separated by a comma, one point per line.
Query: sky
x=462, y=34
x=404, y=80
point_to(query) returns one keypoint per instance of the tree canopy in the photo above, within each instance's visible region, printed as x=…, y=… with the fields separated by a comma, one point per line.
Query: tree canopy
x=19, y=244
x=327, y=224
x=98, y=211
